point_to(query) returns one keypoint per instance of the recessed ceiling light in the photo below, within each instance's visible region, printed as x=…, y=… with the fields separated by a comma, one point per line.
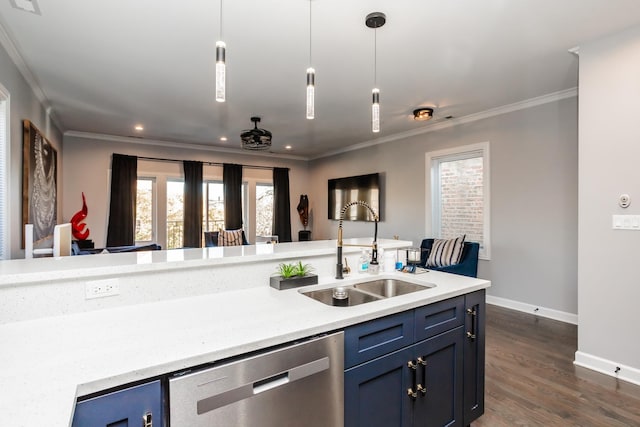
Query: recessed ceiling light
x=139, y=128
x=26, y=5
x=288, y=147
x=223, y=138
x=423, y=114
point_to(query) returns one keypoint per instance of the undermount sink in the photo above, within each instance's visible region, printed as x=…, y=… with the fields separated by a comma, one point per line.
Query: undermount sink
x=361, y=293
x=354, y=297
x=388, y=288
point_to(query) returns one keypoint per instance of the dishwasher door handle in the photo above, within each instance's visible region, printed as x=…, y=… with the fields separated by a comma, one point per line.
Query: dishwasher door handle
x=265, y=384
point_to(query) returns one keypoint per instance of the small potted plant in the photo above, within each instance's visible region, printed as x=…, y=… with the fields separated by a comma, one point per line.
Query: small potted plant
x=293, y=275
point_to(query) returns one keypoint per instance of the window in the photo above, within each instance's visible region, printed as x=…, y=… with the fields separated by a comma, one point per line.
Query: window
x=145, y=210
x=175, y=214
x=458, y=183
x=213, y=218
x=4, y=173
x=213, y=198
x=264, y=209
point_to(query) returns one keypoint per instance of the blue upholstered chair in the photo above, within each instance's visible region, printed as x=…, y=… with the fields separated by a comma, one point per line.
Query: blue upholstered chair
x=468, y=265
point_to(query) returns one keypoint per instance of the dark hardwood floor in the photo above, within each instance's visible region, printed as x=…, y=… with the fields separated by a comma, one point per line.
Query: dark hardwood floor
x=531, y=379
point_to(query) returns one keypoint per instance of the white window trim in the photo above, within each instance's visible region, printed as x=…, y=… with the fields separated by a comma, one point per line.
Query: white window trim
x=430, y=157
x=5, y=230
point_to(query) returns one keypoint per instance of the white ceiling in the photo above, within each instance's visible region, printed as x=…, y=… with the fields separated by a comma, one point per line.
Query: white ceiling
x=104, y=66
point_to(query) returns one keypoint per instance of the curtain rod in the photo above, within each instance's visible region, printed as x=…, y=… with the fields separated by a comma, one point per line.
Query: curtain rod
x=157, y=159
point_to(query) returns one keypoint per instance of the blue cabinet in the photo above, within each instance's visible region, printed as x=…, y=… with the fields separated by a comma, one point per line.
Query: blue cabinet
x=135, y=406
x=428, y=380
x=474, y=356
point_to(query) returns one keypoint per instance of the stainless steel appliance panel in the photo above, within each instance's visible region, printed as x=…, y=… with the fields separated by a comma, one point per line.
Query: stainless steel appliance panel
x=298, y=385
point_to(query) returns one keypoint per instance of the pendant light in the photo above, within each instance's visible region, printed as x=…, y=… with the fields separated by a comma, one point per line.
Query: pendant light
x=221, y=72
x=311, y=78
x=375, y=20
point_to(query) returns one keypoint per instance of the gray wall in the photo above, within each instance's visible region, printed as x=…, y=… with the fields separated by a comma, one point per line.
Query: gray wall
x=534, y=180
x=88, y=162
x=609, y=152
x=23, y=105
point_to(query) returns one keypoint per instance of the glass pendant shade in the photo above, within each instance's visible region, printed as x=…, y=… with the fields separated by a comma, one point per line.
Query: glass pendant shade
x=375, y=110
x=311, y=82
x=220, y=71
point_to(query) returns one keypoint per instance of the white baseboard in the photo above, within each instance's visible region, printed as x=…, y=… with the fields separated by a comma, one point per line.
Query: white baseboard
x=533, y=309
x=607, y=367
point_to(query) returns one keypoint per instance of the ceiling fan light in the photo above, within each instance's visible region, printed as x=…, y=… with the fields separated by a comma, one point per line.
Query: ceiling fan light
x=423, y=114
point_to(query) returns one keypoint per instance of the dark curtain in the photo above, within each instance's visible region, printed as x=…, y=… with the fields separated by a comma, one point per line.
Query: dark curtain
x=281, y=205
x=192, y=204
x=121, y=230
x=232, y=181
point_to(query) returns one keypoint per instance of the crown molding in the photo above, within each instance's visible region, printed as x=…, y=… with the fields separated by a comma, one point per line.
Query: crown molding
x=173, y=144
x=436, y=126
x=10, y=46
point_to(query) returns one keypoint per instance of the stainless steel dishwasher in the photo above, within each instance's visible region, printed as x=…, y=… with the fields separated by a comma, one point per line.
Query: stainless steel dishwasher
x=297, y=385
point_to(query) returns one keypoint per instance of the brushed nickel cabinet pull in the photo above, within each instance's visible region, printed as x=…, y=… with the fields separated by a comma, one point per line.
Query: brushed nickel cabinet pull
x=412, y=394
x=474, y=322
x=411, y=390
x=422, y=388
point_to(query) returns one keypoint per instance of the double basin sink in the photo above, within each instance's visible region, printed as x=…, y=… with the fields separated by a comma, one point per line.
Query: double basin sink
x=361, y=293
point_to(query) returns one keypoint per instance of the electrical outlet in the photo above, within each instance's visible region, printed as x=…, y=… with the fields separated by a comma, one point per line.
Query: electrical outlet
x=102, y=288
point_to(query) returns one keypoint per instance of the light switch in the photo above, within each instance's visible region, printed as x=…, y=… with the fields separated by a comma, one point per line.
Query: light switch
x=617, y=221
x=626, y=222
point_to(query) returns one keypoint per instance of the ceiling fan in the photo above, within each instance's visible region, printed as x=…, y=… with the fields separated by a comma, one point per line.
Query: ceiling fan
x=256, y=139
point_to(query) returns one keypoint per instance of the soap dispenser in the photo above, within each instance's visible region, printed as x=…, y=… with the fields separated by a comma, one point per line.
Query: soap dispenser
x=363, y=262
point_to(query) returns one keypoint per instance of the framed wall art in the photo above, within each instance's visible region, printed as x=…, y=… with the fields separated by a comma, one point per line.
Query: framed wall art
x=39, y=185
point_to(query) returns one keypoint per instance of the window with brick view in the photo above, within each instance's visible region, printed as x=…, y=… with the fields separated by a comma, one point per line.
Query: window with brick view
x=459, y=194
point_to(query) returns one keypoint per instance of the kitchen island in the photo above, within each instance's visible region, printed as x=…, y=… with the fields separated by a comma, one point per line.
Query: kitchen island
x=176, y=309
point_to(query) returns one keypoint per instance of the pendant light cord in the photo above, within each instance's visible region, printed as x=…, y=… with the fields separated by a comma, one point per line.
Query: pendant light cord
x=221, y=20
x=310, y=32
x=375, y=56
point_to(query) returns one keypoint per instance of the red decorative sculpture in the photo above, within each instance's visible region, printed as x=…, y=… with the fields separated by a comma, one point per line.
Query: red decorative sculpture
x=77, y=226
x=303, y=210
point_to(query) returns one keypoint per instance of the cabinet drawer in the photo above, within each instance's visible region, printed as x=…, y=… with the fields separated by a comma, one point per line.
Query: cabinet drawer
x=372, y=339
x=433, y=319
x=124, y=407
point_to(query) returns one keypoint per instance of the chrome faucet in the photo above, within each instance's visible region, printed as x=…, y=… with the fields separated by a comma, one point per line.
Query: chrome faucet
x=373, y=246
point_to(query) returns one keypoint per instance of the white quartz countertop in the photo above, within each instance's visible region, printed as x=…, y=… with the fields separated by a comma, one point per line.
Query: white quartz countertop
x=46, y=363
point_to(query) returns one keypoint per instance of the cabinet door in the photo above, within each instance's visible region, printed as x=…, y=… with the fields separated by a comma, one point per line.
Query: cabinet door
x=375, y=393
x=440, y=373
x=474, y=349
x=135, y=406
